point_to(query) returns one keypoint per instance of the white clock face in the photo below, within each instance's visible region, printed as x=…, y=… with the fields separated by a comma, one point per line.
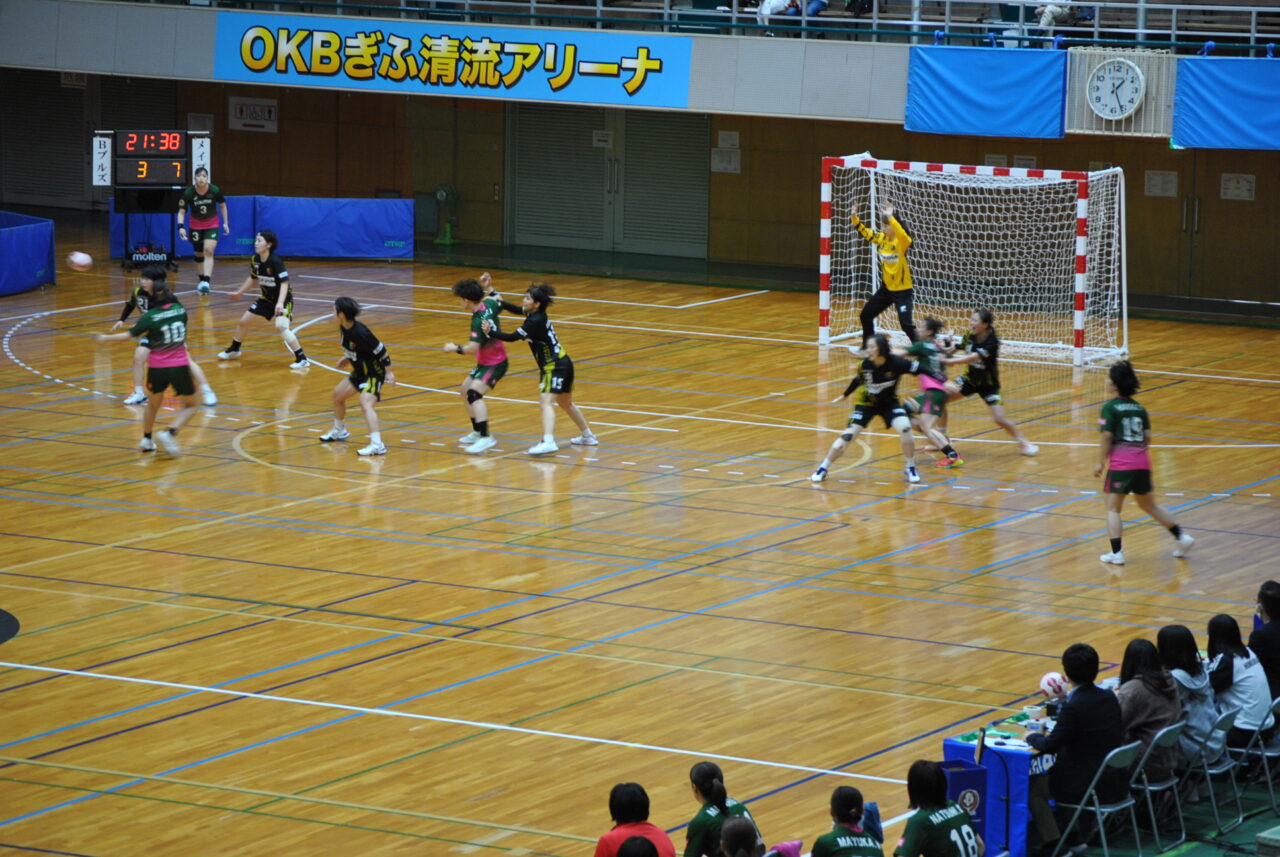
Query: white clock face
x=1115, y=89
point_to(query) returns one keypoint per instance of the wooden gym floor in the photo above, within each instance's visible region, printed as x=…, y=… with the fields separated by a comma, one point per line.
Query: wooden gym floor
x=271, y=646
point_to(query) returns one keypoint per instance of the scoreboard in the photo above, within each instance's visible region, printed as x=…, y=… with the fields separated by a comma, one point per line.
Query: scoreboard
x=164, y=158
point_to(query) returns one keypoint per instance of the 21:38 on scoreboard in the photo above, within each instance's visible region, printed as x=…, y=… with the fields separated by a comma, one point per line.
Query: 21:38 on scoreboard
x=162, y=158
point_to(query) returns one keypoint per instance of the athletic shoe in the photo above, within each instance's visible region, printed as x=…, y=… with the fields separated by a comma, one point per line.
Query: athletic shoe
x=913, y=475
x=135, y=399
x=948, y=461
x=1116, y=558
x=301, y=364
x=545, y=448
x=819, y=475
x=169, y=443
x=229, y=355
x=1184, y=545
x=203, y=288
x=147, y=445
x=585, y=440
x=334, y=434
x=481, y=445
x=210, y=398
x=372, y=449
x=469, y=438
x=1030, y=449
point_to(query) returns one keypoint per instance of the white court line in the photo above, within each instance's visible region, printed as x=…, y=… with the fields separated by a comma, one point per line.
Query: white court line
x=521, y=291
x=456, y=721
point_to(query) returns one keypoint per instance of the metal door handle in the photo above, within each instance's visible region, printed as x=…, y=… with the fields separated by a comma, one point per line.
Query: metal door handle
x=1186, y=198
x=1195, y=217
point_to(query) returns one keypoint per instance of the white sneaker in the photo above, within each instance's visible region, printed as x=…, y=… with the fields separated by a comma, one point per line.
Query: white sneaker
x=334, y=434
x=545, y=448
x=135, y=399
x=372, y=449
x=169, y=443
x=1030, y=449
x=210, y=398
x=481, y=445
x=469, y=438
x=819, y=475
x=229, y=355
x=300, y=364
x=1184, y=545
x=203, y=288
x=913, y=475
x=147, y=445
x=1116, y=558
x=585, y=440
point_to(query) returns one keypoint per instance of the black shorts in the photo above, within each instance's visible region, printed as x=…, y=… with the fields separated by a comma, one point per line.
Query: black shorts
x=267, y=309
x=557, y=377
x=1128, y=482
x=368, y=383
x=863, y=414
x=990, y=395
x=160, y=378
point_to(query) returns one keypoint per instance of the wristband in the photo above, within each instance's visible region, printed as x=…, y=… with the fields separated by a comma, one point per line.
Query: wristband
x=460, y=349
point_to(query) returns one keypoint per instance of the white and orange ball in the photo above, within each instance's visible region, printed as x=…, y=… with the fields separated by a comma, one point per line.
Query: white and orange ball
x=1053, y=685
x=79, y=260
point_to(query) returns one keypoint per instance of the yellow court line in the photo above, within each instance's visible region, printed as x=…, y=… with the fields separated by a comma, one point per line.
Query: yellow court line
x=341, y=804
x=540, y=649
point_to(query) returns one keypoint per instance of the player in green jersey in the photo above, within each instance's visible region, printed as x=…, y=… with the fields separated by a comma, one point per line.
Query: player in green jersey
x=703, y=834
x=939, y=827
x=931, y=405
x=849, y=836
x=165, y=327
x=491, y=360
x=140, y=299
x=206, y=202
x=1122, y=452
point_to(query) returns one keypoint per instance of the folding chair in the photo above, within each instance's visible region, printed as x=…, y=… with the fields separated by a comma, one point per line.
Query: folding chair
x=1119, y=759
x=1167, y=740
x=1263, y=751
x=1224, y=763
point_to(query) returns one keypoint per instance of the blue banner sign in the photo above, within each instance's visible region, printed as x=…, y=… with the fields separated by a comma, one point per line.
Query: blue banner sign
x=634, y=69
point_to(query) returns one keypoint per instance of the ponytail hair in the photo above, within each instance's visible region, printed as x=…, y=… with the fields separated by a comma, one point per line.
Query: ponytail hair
x=708, y=779
x=739, y=837
x=846, y=805
x=1124, y=378
x=932, y=326
x=542, y=294
x=160, y=294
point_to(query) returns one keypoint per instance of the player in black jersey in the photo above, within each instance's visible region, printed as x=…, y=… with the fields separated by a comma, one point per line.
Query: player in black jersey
x=140, y=299
x=370, y=369
x=981, y=349
x=556, y=369
x=877, y=386
x=274, y=304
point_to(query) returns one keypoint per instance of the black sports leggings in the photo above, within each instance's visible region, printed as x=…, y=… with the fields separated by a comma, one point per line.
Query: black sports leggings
x=881, y=301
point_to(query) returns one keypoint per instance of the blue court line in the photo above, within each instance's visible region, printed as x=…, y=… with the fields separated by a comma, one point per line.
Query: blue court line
x=62, y=434
x=42, y=850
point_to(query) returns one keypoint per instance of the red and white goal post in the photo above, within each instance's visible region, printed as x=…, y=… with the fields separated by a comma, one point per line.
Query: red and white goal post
x=1042, y=249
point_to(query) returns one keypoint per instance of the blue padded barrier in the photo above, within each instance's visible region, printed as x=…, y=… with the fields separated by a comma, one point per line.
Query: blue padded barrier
x=986, y=92
x=340, y=228
x=26, y=253
x=1227, y=103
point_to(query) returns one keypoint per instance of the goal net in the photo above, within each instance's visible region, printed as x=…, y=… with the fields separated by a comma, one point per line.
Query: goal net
x=1042, y=249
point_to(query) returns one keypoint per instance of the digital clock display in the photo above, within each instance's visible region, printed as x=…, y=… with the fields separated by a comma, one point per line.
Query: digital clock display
x=151, y=171
x=151, y=143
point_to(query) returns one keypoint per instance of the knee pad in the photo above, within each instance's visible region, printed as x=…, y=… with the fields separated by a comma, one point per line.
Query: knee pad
x=474, y=396
x=847, y=438
x=901, y=424
x=199, y=258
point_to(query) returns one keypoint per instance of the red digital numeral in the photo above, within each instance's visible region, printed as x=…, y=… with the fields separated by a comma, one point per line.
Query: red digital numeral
x=131, y=143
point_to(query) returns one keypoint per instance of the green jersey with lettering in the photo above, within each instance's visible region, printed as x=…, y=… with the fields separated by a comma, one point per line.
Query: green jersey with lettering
x=929, y=358
x=492, y=350
x=847, y=842
x=704, y=830
x=203, y=206
x=945, y=832
x=166, y=331
x=1128, y=423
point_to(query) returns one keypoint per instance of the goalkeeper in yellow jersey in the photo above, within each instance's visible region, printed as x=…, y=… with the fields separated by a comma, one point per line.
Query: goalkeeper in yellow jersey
x=891, y=243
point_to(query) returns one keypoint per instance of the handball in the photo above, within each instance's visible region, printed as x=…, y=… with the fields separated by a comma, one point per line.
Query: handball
x=945, y=341
x=80, y=261
x=1053, y=685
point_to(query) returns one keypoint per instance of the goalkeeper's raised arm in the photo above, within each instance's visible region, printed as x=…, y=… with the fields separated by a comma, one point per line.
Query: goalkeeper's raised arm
x=895, y=290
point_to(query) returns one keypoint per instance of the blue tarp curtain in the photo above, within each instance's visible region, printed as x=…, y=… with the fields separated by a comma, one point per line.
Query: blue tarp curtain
x=26, y=252
x=986, y=92
x=1227, y=103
